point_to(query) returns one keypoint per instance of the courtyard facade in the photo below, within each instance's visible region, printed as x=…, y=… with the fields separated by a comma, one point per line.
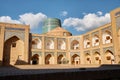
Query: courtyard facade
x=57, y=45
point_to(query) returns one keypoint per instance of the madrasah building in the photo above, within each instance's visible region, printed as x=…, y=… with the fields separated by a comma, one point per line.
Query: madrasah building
x=57, y=45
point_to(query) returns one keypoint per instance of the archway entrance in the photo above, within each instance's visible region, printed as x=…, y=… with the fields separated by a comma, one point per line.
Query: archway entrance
x=35, y=59
x=75, y=59
x=60, y=59
x=13, y=51
x=109, y=57
x=49, y=59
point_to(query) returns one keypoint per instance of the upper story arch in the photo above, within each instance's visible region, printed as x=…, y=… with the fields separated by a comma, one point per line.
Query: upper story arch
x=75, y=45
x=61, y=44
x=49, y=44
x=95, y=40
x=107, y=37
x=36, y=43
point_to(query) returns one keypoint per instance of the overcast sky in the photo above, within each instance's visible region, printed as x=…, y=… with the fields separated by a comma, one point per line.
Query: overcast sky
x=77, y=16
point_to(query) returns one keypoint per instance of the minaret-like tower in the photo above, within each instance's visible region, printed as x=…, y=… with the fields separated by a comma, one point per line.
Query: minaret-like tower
x=50, y=24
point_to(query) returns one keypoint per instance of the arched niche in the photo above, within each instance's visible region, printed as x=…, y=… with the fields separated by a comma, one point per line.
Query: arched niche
x=107, y=37
x=61, y=45
x=49, y=44
x=109, y=57
x=86, y=43
x=87, y=58
x=75, y=45
x=95, y=40
x=60, y=59
x=75, y=59
x=49, y=59
x=97, y=58
x=13, y=51
x=35, y=59
x=36, y=43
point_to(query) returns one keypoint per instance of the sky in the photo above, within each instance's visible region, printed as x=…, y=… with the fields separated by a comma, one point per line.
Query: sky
x=77, y=16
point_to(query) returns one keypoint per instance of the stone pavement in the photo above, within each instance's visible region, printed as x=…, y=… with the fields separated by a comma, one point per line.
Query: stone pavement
x=60, y=72
x=43, y=69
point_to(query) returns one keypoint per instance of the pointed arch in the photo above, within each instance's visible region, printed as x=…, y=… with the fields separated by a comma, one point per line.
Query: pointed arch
x=36, y=43
x=75, y=59
x=49, y=44
x=13, y=51
x=95, y=40
x=74, y=45
x=49, y=59
x=35, y=59
x=87, y=58
x=109, y=57
x=59, y=59
x=86, y=43
x=107, y=37
x=61, y=45
x=97, y=58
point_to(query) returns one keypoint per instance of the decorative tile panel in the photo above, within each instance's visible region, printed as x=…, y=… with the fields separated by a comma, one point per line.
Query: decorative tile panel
x=95, y=33
x=61, y=53
x=108, y=48
x=36, y=52
x=19, y=34
x=19, y=29
x=46, y=53
x=85, y=52
x=72, y=53
x=74, y=38
x=96, y=50
x=86, y=37
x=109, y=28
x=34, y=37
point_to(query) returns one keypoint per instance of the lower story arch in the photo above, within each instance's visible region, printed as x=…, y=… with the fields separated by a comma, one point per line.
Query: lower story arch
x=60, y=59
x=97, y=58
x=75, y=59
x=109, y=57
x=35, y=59
x=87, y=58
x=49, y=59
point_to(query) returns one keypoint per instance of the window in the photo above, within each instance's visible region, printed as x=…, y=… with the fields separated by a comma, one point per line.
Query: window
x=13, y=44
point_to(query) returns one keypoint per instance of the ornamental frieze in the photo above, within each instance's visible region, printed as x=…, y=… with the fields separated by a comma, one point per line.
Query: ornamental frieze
x=73, y=53
x=36, y=37
x=109, y=28
x=87, y=52
x=61, y=53
x=95, y=33
x=49, y=38
x=36, y=52
x=108, y=48
x=74, y=38
x=51, y=53
x=19, y=34
x=96, y=50
x=86, y=37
